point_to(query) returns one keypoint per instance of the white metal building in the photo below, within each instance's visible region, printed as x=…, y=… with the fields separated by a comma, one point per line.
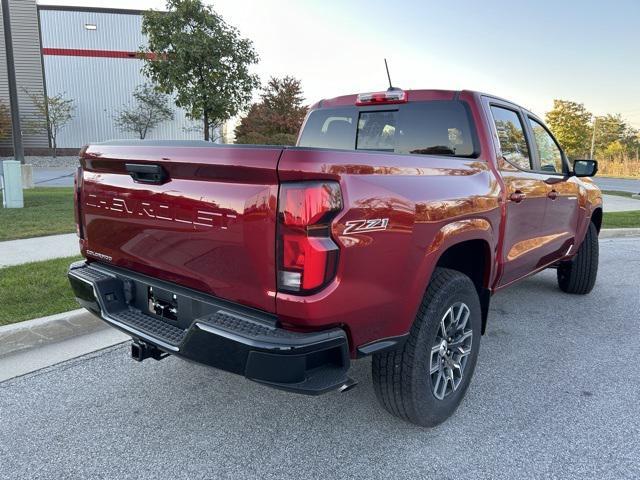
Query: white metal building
x=90, y=56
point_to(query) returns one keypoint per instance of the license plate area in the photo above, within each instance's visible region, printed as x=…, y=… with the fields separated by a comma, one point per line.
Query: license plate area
x=162, y=303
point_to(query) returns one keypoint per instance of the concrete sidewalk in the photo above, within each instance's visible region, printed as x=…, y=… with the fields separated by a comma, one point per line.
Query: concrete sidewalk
x=34, y=344
x=616, y=203
x=17, y=252
x=54, y=176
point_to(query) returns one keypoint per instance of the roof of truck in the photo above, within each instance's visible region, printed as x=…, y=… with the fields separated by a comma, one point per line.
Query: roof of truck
x=413, y=96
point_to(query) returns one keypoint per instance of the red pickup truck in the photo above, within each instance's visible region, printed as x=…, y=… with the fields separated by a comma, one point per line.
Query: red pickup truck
x=384, y=232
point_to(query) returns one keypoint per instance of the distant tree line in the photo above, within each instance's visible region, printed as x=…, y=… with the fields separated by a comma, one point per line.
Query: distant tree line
x=608, y=138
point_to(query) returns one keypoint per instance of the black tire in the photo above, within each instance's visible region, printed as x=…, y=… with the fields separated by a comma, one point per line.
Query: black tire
x=578, y=275
x=401, y=378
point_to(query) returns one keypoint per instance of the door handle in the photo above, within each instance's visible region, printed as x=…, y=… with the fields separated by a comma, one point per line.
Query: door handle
x=517, y=196
x=552, y=194
x=146, y=173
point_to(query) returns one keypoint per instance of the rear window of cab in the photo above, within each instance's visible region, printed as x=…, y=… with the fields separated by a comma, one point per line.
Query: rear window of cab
x=424, y=128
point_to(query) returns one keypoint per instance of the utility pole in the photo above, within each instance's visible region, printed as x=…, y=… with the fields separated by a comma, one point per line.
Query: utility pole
x=593, y=135
x=18, y=149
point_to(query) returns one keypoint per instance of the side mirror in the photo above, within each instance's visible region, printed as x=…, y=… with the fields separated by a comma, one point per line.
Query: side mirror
x=585, y=168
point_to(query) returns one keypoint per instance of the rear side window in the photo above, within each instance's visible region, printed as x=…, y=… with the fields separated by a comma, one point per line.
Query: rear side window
x=437, y=128
x=513, y=142
x=423, y=128
x=330, y=128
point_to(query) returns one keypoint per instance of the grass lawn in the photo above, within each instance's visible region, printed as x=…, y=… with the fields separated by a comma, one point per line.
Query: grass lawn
x=47, y=211
x=621, y=219
x=35, y=290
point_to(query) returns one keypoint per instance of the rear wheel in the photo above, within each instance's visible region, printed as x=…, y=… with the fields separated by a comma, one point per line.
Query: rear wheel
x=578, y=275
x=425, y=380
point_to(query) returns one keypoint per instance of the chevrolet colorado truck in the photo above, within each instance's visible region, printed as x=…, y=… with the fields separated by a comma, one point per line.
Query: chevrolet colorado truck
x=383, y=232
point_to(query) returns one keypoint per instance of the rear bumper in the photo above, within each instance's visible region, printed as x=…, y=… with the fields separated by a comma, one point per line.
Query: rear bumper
x=214, y=332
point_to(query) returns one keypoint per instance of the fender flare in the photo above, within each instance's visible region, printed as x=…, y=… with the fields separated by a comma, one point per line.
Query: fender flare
x=449, y=235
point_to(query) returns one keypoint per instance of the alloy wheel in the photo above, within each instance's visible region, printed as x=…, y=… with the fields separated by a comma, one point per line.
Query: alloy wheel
x=450, y=353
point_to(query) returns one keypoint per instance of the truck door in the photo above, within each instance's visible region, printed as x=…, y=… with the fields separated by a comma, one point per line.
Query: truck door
x=526, y=194
x=561, y=215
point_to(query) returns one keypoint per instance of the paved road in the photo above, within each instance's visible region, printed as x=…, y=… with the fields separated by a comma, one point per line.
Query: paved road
x=555, y=396
x=620, y=184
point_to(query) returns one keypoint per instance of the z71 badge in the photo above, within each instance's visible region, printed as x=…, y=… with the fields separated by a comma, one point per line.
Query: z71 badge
x=362, y=226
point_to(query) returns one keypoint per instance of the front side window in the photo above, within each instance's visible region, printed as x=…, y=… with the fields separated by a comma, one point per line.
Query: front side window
x=548, y=151
x=513, y=142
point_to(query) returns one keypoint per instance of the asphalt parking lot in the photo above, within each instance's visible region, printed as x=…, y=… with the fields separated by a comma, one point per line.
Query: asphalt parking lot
x=555, y=395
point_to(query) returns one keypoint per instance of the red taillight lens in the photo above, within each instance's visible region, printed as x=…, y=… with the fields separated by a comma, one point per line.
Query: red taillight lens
x=391, y=96
x=308, y=256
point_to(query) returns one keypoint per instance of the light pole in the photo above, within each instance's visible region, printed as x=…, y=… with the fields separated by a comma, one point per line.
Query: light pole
x=593, y=136
x=18, y=149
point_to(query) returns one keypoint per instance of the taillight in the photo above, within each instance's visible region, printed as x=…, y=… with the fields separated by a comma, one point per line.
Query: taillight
x=307, y=256
x=77, y=189
x=391, y=96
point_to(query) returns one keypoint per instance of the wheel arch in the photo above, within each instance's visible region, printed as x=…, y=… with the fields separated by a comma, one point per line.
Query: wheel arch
x=596, y=218
x=472, y=258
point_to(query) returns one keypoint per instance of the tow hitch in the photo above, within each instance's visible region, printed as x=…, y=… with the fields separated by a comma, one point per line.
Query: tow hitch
x=141, y=351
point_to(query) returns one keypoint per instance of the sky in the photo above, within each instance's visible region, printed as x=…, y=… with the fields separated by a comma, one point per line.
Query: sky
x=528, y=52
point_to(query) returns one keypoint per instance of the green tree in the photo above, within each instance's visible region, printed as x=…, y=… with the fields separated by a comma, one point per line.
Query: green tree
x=608, y=129
x=614, y=137
x=277, y=118
x=5, y=120
x=199, y=57
x=52, y=115
x=151, y=109
x=570, y=124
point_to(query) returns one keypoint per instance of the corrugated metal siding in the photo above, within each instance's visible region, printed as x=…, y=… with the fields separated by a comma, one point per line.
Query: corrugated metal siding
x=65, y=29
x=26, y=45
x=100, y=86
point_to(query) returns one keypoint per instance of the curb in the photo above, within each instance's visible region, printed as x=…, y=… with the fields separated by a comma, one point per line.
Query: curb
x=43, y=331
x=619, y=232
x=36, y=322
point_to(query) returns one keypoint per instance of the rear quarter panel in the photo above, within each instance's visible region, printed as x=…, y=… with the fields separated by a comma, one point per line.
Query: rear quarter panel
x=430, y=203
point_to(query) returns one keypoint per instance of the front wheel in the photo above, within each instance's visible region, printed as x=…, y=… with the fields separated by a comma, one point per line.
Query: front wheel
x=425, y=380
x=578, y=275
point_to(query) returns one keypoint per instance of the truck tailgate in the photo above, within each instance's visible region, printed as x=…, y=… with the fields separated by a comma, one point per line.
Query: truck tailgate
x=208, y=224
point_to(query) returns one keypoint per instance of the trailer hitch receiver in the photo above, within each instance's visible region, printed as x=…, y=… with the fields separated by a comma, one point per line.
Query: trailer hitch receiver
x=141, y=351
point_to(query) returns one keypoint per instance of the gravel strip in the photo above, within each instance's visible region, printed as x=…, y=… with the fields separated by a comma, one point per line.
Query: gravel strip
x=50, y=162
